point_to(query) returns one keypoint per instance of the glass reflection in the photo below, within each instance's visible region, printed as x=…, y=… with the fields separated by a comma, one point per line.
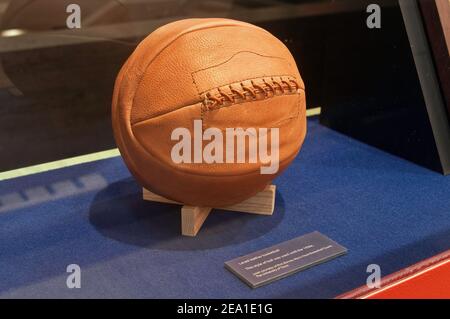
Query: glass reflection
x=56, y=83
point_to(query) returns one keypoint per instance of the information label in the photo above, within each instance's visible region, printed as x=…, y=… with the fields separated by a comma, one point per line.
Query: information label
x=276, y=262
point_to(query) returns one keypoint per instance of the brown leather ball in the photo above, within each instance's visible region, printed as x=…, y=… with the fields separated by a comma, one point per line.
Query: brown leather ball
x=208, y=76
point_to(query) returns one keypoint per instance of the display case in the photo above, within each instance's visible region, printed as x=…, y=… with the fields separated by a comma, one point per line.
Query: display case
x=371, y=174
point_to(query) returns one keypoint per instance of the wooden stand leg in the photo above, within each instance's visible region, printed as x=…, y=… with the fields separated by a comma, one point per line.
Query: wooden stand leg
x=193, y=217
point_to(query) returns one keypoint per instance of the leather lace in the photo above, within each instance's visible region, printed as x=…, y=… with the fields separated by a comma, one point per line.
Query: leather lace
x=241, y=92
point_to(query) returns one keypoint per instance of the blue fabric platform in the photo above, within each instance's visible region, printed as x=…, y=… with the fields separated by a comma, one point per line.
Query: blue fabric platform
x=385, y=210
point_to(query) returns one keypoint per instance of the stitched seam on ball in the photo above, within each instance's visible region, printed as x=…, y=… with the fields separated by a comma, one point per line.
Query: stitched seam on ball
x=247, y=79
x=235, y=54
x=284, y=121
x=202, y=111
x=279, y=123
x=201, y=105
x=240, y=93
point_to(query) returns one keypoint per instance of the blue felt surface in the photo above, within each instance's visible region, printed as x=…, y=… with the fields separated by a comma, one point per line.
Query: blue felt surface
x=385, y=210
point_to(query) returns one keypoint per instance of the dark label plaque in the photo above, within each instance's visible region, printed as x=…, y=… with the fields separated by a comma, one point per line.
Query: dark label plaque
x=278, y=261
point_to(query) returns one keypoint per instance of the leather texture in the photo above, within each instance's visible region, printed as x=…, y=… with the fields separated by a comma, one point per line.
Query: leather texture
x=227, y=73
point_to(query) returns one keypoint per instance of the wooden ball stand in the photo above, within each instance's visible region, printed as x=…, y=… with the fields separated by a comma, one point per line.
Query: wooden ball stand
x=193, y=217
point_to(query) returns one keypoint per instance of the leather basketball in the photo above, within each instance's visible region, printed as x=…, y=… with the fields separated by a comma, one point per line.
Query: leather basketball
x=223, y=74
